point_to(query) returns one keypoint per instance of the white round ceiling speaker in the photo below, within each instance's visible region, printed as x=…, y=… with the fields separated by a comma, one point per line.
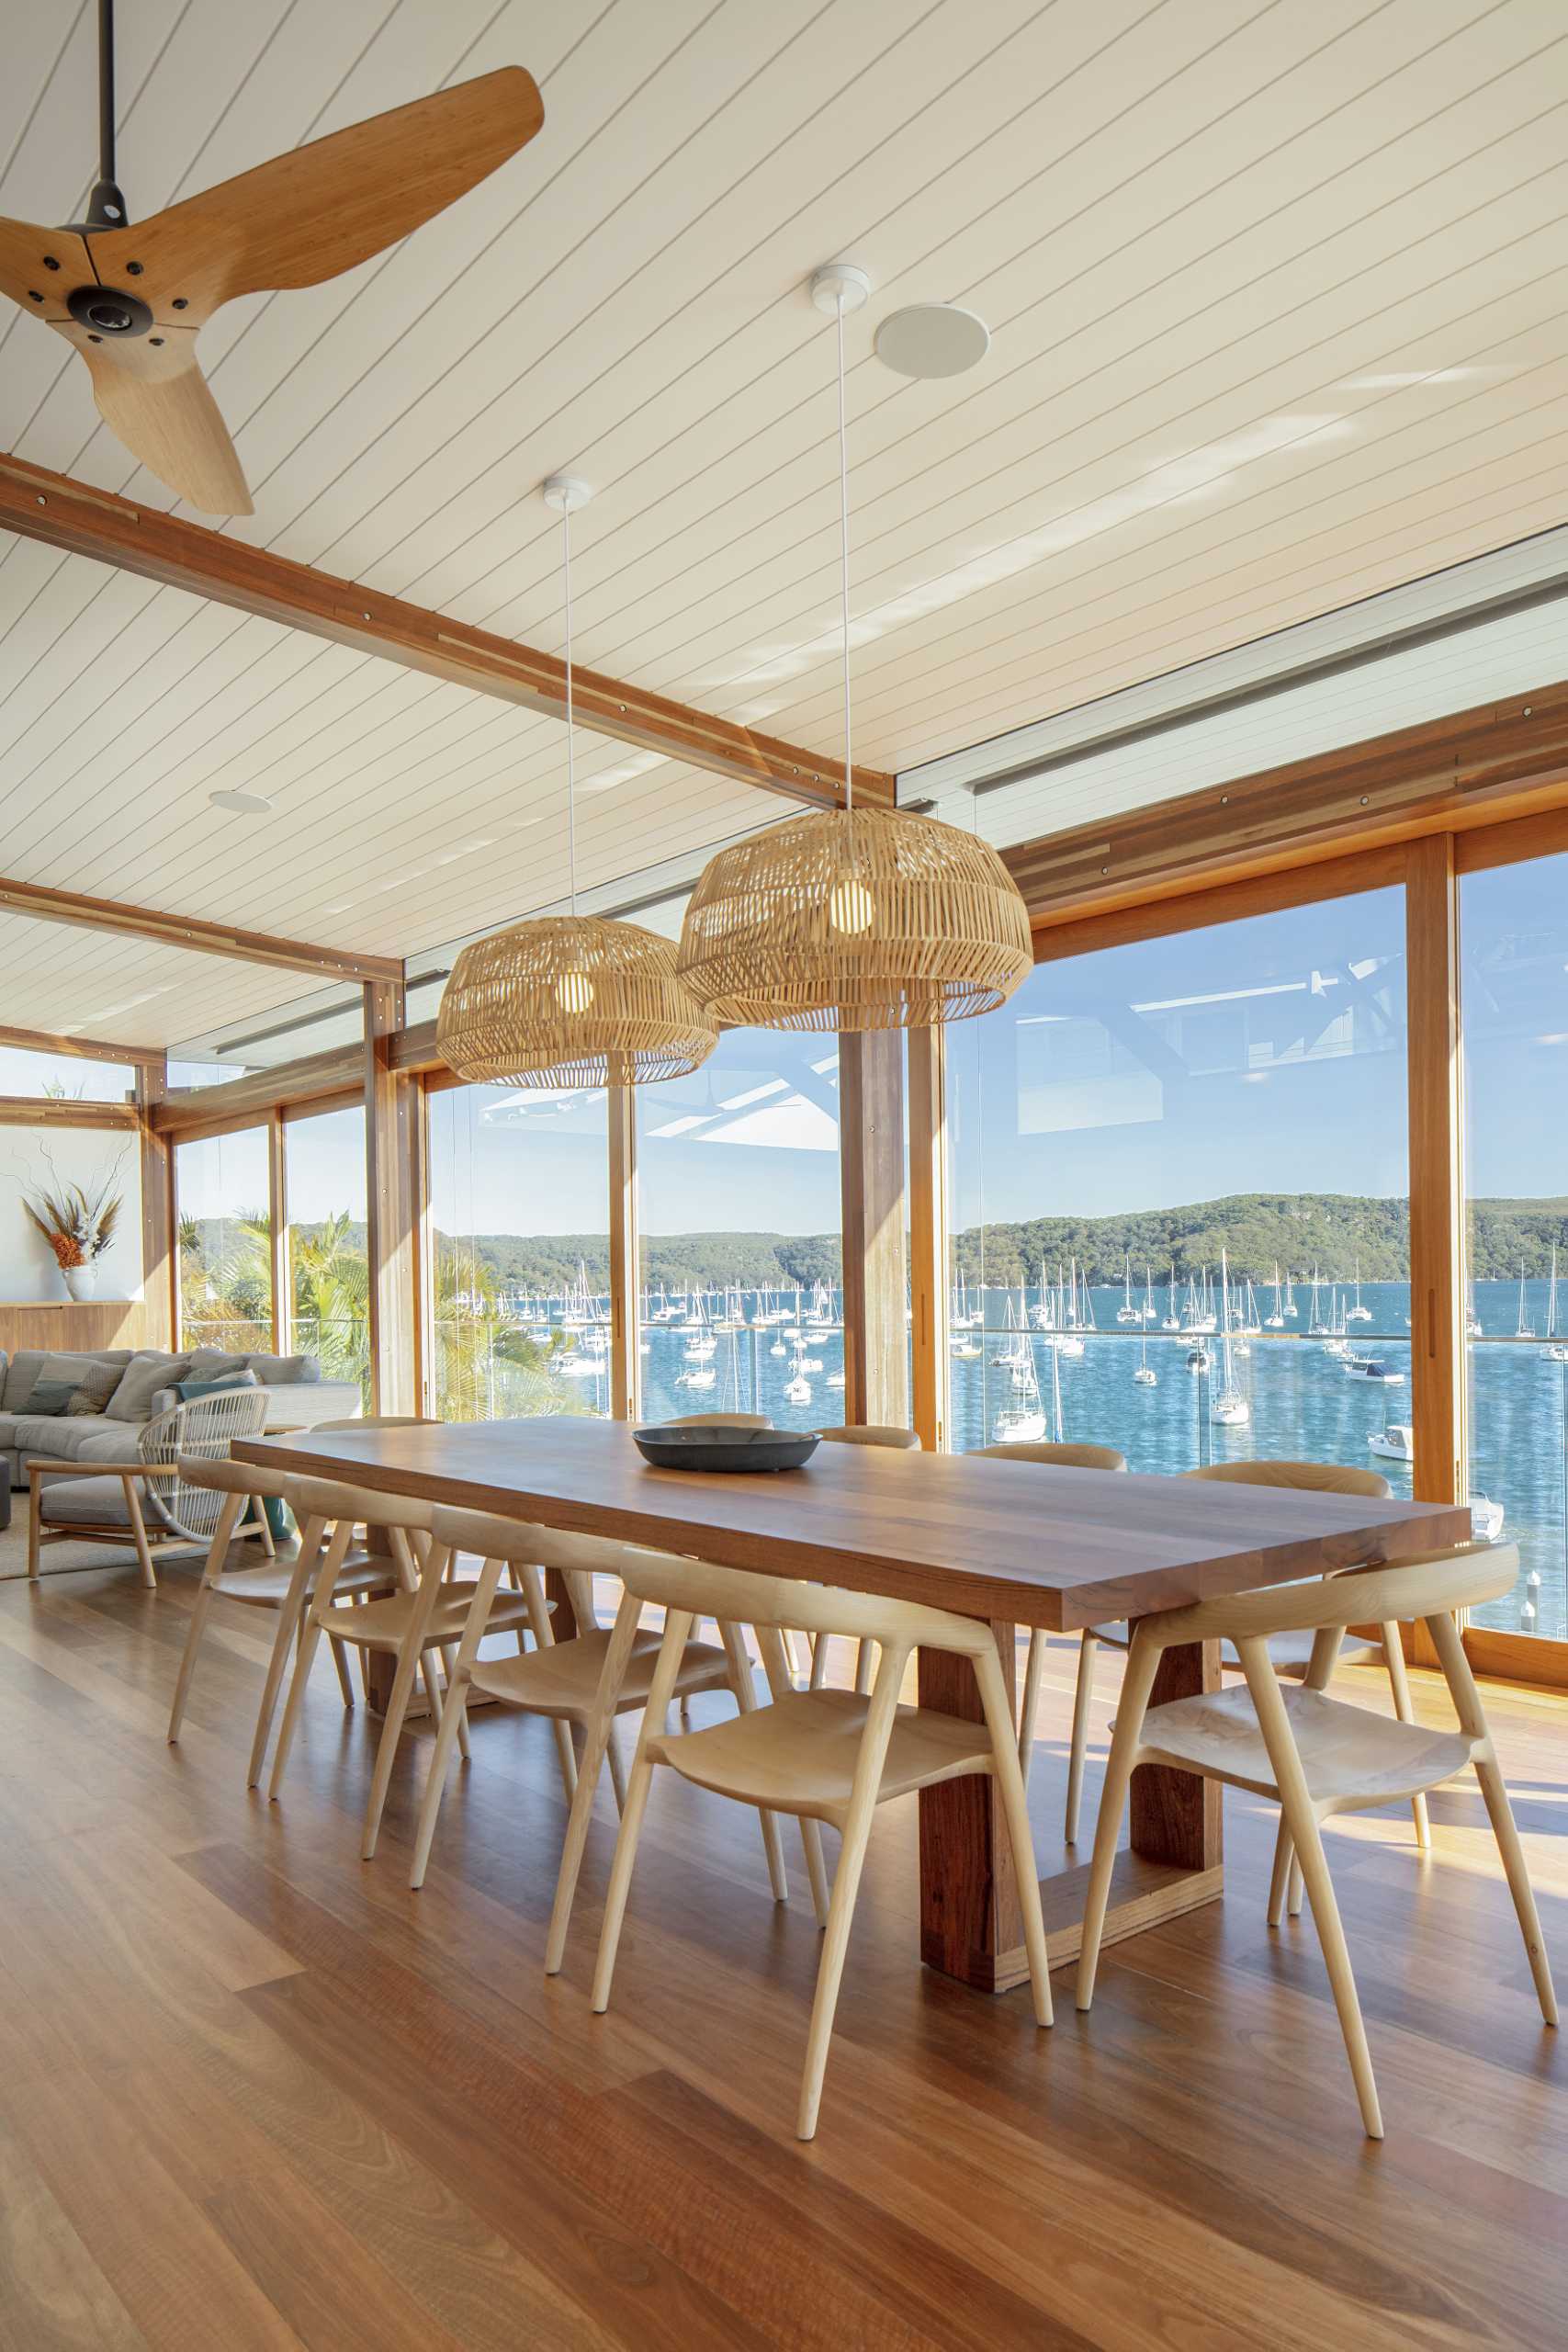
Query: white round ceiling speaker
x=240, y=804
x=932, y=339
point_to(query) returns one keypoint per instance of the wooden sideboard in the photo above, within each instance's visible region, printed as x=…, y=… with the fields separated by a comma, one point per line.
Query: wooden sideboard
x=67, y=1323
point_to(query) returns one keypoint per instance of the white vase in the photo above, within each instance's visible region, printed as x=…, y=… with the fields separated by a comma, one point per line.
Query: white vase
x=82, y=1281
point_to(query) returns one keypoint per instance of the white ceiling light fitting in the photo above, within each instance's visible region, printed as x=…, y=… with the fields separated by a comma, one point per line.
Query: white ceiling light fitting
x=932, y=339
x=240, y=804
x=569, y=1000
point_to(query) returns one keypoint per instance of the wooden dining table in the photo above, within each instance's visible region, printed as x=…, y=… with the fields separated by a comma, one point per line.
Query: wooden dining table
x=1015, y=1542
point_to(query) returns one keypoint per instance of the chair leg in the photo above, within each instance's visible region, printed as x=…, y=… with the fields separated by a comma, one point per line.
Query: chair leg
x=448, y=1654
x=865, y=1659
x=1009, y=1775
x=598, y=1738
x=305, y=1650
x=1302, y=1815
x=35, y=1518
x=677, y=1629
x=340, y=1659
x=1033, y=1674
x=288, y=1617
x=1467, y=1702
x=452, y=1716
x=258, y=1510
x=139, y=1531
x=1399, y=1683
x=1284, y=1876
x=1083, y=1691
x=411, y=1658
x=228, y=1518
x=1143, y=1663
x=745, y=1691
x=856, y=1835
x=532, y=1587
x=818, y=1678
x=780, y=1682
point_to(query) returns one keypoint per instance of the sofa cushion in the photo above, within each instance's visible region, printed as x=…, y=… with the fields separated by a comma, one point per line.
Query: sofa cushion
x=32, y=1364
x=213, y=1364
x=94, y=1391
x=187, y=1391
x=145, y=1373
x=62, y=1439
x=99, y=1441
x=275, y=1372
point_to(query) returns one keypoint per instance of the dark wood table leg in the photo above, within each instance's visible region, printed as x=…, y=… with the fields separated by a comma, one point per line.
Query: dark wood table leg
x=969, y=1920
x=970, y=1924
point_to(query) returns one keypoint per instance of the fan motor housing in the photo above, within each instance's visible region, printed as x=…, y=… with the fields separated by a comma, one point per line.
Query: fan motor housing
x=107, y=312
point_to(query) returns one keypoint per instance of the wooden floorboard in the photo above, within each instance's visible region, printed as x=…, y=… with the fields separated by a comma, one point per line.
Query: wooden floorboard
x=254, y=2093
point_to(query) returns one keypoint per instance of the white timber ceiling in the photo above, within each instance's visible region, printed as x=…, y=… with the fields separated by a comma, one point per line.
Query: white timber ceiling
x=1276, y=303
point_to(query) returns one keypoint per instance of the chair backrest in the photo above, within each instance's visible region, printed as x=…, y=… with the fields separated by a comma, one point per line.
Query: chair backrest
x=1435, y=1585
x=1060, y=1457
x=741, y=1597
x=228, y=1477
x=579, y=1558
x=873, y=1433
x=1310, y=1477
x=337, y=1499
x=200, y=1430
x=716, y=1420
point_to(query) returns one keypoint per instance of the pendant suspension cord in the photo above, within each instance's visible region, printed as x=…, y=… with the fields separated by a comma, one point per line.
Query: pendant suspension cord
x=106, y=90
x=844, y=549
x=570, y=747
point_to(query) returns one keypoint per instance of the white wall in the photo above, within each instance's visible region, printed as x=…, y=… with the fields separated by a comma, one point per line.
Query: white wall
x=75, y=1155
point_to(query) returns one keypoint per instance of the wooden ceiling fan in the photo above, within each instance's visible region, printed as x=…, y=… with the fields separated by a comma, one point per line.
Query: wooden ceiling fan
x=132, y=299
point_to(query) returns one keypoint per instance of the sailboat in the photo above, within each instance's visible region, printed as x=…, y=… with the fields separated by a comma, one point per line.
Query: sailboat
x=1127, y=1312
x=1358, y=1313
x=1068, y=1342
x=1526, y=1330
x=1227, y=1405
x=1146, y=1376
x=1554, y=1350
x=1275, y=1322
x=1171, y=1321
x=1022, y=1422
x=1291, y=1309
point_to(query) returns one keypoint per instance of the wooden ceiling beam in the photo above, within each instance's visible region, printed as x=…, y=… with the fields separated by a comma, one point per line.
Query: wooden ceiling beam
x=313, y=1077
x=86, y=1049
x=1471, y=768
x=61, y=512
x=44, y=905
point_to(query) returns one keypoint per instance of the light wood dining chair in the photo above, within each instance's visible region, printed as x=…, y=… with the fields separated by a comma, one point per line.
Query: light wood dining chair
x=1312, y=1754
x=898, y=1440
x=1289, y=1652
x=831, y=1756
x=1059, y=1456
x=279, y=1587
x=423, y=1616
x=565, y=1680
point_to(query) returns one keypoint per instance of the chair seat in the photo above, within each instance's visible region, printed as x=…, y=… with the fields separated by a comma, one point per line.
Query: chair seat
x=564, y=1678
x=1349, y=1755
x=381, y=1625
x=799, y=1755
x=93, y=1502
x=1290, y=1653
x=266, y=1586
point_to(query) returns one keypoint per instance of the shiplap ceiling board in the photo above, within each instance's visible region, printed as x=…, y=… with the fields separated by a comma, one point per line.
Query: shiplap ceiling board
x=1276, y=294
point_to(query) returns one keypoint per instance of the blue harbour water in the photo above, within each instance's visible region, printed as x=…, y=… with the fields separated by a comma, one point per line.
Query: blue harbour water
x=1303, y=1403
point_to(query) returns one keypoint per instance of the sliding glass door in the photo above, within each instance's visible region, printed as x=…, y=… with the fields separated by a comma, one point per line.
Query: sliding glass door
x=1514, y=950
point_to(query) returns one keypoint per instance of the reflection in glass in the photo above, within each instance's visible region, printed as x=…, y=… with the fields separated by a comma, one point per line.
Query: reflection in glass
x=519, y=1194
x=1180, y=1198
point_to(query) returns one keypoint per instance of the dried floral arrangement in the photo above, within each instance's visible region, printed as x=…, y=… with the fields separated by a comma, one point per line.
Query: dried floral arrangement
x=77, y=1226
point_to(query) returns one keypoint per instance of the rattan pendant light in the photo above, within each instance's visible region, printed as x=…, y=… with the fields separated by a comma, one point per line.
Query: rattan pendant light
x=854, y=918
x=570, y=1000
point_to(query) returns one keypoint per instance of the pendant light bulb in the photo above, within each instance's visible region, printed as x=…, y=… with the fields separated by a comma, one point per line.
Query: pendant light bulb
x=850, y=907
x=573, y=991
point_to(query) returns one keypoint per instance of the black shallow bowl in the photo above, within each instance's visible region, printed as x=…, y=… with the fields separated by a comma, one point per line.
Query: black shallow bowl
x=725, y=1445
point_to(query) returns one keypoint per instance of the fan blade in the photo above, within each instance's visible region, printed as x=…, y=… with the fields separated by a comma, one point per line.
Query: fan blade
x=320, y=209
x=39, y=266
x=165, y=415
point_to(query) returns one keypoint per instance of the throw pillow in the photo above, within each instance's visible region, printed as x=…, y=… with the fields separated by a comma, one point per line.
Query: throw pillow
x=284, y=1372
x=214, y=1364
x=187, y=1390
x=93, y=1392
x=49, y=1398
x=147, y=1372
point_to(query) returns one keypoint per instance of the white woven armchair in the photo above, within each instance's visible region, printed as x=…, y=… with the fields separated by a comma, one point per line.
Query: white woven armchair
x=143, y=1501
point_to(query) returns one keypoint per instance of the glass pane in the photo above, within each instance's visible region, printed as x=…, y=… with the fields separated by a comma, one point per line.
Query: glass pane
x=225, y=1227
x=1178, y=1186
x=65, y=1078
x=1513, y=939
x=520, y=1208
x=740, y=1219
x=329, y=1268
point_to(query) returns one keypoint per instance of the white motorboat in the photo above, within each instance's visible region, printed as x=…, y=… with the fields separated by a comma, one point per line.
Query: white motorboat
x=1395, y=1443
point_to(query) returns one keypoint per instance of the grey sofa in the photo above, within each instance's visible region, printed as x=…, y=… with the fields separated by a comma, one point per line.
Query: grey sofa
x=298, y=1397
